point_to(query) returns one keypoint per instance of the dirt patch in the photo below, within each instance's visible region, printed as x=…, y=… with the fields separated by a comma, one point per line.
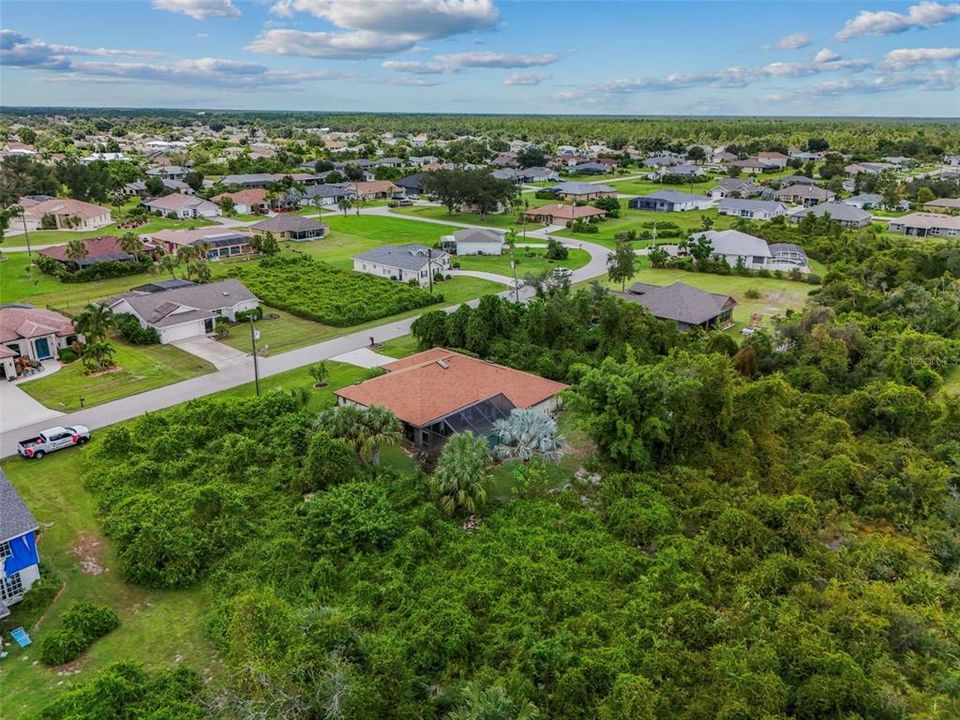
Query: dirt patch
x=108, y=371
x=88, y=549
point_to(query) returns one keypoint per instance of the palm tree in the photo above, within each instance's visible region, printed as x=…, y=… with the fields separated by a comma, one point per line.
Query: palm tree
x=344, y=204
x=381, y=428
x=462, y=473
x=344, y=423
x=526, y=433
x=77, y=250
x=95, y=322
x=169, y=263
x=131, y=243
x=492, y=703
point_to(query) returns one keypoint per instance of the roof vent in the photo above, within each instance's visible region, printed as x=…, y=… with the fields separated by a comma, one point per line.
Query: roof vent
x=443, y=363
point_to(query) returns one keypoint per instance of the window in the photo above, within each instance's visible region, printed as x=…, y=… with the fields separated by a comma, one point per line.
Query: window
x=5, y=549
x=11, y=587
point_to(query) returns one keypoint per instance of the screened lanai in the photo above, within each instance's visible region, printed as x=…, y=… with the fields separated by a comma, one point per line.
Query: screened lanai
x=477, y=419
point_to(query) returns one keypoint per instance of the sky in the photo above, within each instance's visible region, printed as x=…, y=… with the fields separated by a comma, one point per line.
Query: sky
x=764, y=57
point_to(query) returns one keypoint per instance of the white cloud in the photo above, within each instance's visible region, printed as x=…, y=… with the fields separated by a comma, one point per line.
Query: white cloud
x=941, y=80
x=199, y=9
x=905, y=59
x=496, y=60
x=340, y=46
x=827, y=56
x=420, y=68
x=426, y=18
x=886, y=22
x=18, y=50
x=522, y=78
x=794, y=41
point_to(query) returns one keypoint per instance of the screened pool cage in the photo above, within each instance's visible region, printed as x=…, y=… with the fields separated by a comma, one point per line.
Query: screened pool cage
x=477, y=419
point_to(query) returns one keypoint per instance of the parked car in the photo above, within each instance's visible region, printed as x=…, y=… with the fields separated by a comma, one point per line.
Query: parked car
x=400, y=202
x=563, y=272
x=53, y=439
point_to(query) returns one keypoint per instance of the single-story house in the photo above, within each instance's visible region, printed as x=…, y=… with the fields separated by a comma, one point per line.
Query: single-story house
x=864, y=201
x=943, y=204
x=537, y=174
x=246, y=202
x=753, y=166
x=788, y=180
x=683, y=170
x=182, y=206
x=412, y=185
x=684, y=304
x=663, y=160
x=19, y=559
x=326, y=194
x=474, y=241
x=65, y=214
x=777, y=159
x=438, y=392
x=752, y=209
x=671, y=201
x=99, y=249
x=248, y=179
x=34, y=334
x=733, y=187
x=734, y=246
x=591, y=168
x=169, y=172
x=582, y=191
x=291, y=227
x=186, y=311
x=560, y=214
x=506, y=173
x=221, y=242
x=375, y=189
x=805, y=195
x=922, y=224
x=847, y=215
x=870, y=168
x=403, y=262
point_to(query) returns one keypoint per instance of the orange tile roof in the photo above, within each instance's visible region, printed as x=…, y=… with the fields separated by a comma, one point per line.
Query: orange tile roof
x=250, y=196
x=565, y=212
x=420, y=391
x=375, y=186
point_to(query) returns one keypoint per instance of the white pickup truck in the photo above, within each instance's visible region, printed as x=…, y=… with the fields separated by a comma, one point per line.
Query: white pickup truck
x=52, y=439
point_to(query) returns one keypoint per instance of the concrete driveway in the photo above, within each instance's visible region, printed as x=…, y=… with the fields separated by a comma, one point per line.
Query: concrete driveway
x=17, y=409
x=216, y=353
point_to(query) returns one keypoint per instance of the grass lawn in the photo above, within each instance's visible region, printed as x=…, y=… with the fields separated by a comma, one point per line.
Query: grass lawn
x=158, y=628
x=436, y=212
x=400, y=347
x=535, y=262
x=142, y=368
x=60, y=237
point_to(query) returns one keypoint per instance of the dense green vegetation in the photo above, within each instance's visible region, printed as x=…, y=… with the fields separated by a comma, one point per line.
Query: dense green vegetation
x=320, y=292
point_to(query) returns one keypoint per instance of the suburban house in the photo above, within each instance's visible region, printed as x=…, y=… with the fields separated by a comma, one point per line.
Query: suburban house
x=683, y=170
x=733, y=187
x=671, y=201
x=99, y=249
x=291, y=227
x=591, y=168
x=251, y=201
x=248, y=180
x=870, y=168
x=805, y=195
x=537, y=174
x=847, y=215
x=169, y=172
x=188, y=310
x=788, y=180
x=412, y=262
x=474, y=241
x=412, y=185
x=19, y=559
x=220, y=242
x=777, y=159
x=325, y=194
x=64, y=214
x=947, y=204
x=752, y=166
x=30, y=335
x=752, y=209
x=684, y=304
x=864, y=201
x=922, y=224
x=560, y=214
x=375, y=189
x=582, y=191
x=663, y=160
x=182, y=206
x=735, y=247
x=438, y=392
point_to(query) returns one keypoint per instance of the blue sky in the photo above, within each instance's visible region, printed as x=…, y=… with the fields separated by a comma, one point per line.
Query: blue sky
x=678, y=57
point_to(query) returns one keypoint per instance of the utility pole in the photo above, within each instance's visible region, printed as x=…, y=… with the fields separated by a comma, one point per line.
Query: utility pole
x=516, y=283
x=26, y=235
x=430, y=267
x=256, y=364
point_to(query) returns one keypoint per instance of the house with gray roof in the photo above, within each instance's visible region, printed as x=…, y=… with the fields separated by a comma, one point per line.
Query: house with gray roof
x=805, y=195
x=537, y=174
x=474, y=241
x=847, y=215
x=287, y=226
x=671, y=201
x=864, y=201
x=406, y=263
x=247, y=179
x=591, y=168
x=19, y=559
x=751, y=209
x=582, y=191
x=682, y=170
x=683, y=304
x=188, y=311
x=733, y=187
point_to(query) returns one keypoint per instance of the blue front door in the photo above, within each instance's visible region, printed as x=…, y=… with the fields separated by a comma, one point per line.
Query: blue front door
x=42, y=348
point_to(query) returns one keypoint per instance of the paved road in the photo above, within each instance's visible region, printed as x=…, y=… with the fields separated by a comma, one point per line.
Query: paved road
x=241, y=372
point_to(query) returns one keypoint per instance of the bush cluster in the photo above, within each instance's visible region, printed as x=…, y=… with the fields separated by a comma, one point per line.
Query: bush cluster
x=83, y=624
x=97, y=271
x=133, y=332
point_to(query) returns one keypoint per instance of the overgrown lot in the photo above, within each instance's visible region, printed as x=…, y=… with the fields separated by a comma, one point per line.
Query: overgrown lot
x=316, y=291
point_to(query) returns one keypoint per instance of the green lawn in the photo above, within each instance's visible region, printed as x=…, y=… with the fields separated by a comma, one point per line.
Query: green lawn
x=278, y=335
x=436, y=212
x=141, y=368
x=529, y=260
x=400, y=347
x=59, y=237
x=158, y=628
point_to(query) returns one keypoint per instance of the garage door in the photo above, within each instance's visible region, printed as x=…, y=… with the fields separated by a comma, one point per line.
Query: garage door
x=181, y=332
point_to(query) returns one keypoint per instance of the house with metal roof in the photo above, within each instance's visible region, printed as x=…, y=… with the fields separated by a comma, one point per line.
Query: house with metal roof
x=19, y=558
x=407, y=263
x=847, y=215
x=683, y=304
x=187, y=311
x=751, y=209
x=474, y=241
x=671, y=201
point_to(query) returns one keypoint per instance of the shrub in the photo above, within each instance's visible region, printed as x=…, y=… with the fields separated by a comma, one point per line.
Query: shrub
x=83, y=624
x=245, y=315
x=752, y=293
x=67, y=356
x=544, y=195
x=133, y=332
x=329, y=462
x=97, y=271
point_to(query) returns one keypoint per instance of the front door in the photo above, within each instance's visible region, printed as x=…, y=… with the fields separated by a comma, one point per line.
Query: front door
x=208, y=325
x=42, y=347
